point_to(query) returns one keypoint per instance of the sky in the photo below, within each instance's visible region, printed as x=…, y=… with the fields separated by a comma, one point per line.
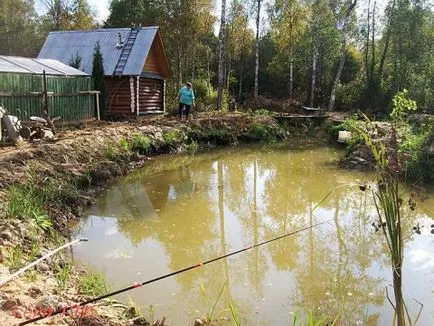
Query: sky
x=101, y=8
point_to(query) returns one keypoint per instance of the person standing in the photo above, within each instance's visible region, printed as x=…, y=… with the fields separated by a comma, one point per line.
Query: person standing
x=186, y=100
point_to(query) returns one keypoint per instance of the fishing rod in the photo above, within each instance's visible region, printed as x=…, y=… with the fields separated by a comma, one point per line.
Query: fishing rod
x=138, y=285
x=51, y=253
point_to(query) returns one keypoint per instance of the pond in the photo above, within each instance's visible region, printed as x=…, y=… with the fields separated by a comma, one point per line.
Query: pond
x=181, y=210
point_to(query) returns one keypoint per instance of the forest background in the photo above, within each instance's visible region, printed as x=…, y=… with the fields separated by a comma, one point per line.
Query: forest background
x=333, y=54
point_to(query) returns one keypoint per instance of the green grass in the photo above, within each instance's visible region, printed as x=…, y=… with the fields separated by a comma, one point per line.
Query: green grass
x=27, y=201
x=15, y=258
x=210, y=315
x=93, y=284
x=236, y=319
x=62, y=276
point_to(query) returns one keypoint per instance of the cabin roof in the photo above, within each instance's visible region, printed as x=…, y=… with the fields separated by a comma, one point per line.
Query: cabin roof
x=65, y=45
x=23, y=65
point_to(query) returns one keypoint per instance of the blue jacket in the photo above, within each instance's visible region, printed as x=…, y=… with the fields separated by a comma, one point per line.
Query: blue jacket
x=186, y=96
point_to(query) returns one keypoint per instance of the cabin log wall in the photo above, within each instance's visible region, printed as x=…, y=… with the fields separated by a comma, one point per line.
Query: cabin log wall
x=118, y=95
x=151, y=95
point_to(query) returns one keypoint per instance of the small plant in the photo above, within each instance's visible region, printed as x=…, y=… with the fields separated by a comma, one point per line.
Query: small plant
x=110, y=152
x=43, y=221
x=15, y=258
x=63, y=276
x=93, y=284
x=141, y=144
x=125, y=145
x=31, y=275
x=402, y=105
x=35, y=250
x=312, y=319
x=211, y=310
x=234, y=313
x=192, y=148
x=172, y=137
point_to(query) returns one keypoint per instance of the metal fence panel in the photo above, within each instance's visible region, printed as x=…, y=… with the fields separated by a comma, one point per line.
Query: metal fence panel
x=65, y=99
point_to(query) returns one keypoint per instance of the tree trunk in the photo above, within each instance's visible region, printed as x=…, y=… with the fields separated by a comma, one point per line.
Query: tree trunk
x=313, y=82
x=291, y=75
x=342, y=58
x=179, y=64
x=258, y=20
x=209, y=72
x=240, y=90
x=228, y=76
x=221, y=44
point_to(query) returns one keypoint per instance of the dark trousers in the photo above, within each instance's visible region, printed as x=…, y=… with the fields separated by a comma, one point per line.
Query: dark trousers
x=184, y=108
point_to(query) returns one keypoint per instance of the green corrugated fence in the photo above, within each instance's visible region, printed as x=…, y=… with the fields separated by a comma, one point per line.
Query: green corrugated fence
x=64, y=100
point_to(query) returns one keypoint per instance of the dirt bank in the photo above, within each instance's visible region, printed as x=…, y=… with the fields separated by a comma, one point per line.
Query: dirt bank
x=43, y=185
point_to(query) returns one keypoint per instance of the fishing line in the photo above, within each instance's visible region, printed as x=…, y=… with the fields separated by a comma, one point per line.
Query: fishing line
x=138, y=285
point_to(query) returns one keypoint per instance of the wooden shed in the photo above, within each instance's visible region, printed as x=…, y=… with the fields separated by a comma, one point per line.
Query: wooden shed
x=135, y=65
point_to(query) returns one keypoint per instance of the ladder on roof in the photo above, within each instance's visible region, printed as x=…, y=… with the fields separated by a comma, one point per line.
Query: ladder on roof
x=126, y=50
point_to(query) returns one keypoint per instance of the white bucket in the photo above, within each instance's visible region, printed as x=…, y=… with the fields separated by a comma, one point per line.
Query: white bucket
x=344, y=136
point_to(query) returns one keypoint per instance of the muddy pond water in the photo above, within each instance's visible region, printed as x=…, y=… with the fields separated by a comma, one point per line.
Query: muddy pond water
x=181, y=210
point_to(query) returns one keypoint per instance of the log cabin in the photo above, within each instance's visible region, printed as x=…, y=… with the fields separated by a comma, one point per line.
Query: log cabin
x=135, y=65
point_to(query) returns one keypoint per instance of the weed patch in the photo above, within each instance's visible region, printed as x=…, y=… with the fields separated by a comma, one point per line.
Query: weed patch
x=62, y=276
x=260, y=132
x=192, y=148
x=93, y=284
x=172, y=137
x=220, y=136
x=141, y=144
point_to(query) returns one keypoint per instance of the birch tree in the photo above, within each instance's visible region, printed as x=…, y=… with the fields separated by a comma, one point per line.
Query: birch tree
x=342, y=13
x=221, y=46
x=258, y=22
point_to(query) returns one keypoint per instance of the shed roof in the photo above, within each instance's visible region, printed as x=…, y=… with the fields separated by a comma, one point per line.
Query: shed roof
x=37, y=66
x=65, y=45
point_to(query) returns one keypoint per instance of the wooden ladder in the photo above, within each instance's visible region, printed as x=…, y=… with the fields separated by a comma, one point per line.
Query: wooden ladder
x=126, y=50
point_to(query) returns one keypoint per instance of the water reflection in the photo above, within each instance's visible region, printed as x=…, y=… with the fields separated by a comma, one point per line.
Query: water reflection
x=178, y=211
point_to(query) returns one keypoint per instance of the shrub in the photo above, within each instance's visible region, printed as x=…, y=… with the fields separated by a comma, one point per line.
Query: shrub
x=206, y=94
x=172, y=137
x=141, y=144
x=402, y=105
x=220, y=136
x=192, y=148
x=124, y=145
x=262, y=132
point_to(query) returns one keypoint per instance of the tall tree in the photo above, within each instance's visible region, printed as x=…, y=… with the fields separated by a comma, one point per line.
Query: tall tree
x=82, y=16
x=18, y=28
x=221, y=45
x=342, y=12
x=63, y=15
x=258, y=22
x=238, y=40
x=98, y=76
x=288, y=25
